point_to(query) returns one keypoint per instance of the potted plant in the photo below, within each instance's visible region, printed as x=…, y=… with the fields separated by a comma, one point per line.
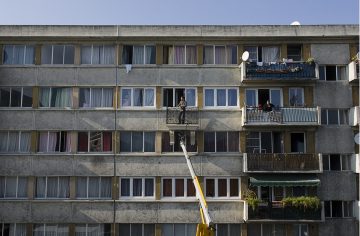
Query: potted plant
x=252, y=199
x=310, y=61
x=303, y=202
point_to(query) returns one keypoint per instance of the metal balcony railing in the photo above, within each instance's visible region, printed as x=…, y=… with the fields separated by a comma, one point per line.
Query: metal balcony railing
x=275, y=211
x=282, y=162
x=173, y=115
x=282, y=115
x=282, y=70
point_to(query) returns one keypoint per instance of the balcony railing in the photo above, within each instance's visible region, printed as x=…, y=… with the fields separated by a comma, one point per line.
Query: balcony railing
x=282, y=115
x=276, y=211
x=282, y=162
x=354, y=116
x=282, y=70
x=354, y=71
x=191, y=116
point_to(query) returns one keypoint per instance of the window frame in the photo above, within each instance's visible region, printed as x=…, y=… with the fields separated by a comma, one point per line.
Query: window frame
x=227, y=141
x=174, y=102
x=340, y=112
x=48, y=105
x=88, y=185
x=216, y=106
x=19, y=136
x=103, y=54
x=216, y=188
x=343, y=205
x=21, y=99
x=102, y=140
x=25, y=54
x=46, y=188
x=16, y=190
x=131, y=190
x=132, y=106
x=63, y=54
x=226, y=53
x=143, y=141
x=337, y=68
x=173, y=189
x=102, y=98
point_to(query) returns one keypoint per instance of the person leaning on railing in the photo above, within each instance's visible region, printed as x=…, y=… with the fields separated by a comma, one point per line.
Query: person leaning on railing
x=182, y=104
x=268, y=106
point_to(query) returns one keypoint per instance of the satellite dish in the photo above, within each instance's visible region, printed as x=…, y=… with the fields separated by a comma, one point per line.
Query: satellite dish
x=295, y=23
x=245, y=56
x=357, y=138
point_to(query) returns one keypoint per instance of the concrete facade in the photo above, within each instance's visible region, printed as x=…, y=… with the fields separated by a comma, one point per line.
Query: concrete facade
x=329, y=45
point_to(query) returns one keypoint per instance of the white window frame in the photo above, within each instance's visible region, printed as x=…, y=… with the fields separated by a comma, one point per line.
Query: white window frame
x=102, y=139
x=50, y=95
x=336, y=71
x=260, y=144
x=174, y=98
x=131, y=179
x=48, y=137
x=340, y=112
x=103, y=53
x=297, y=89
x=17, y=188
x=227, y=141
x=13, y=49
x=226, y=55
x=102, y=98
x=21, y=99
x=270, y=89
x=144, y=48
x=173, y=188
x=342, y=209
x=18, y=141
x=143, y=141
x=216, y=182
x=46, y=187
x=63, y=52
x=132, y=107
x=226, y=97
x=342, y=156
x=185, y=54
x=87, y=187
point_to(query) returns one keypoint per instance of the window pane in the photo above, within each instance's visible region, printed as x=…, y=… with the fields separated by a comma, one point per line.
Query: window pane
x=253, y=56
x=235, y=229
x=4, y=97
x=221, y=97
x=233, y=141
x=335, y=162
x=222, y=188
x=179, y=187
x=190, y=188
x=208, y=55
x=330, y=73
x=297, y=142
x=125, y=141
x=15, y=97
x=191, y=55
x=94, y=186
x=22, y=187
x=109, y=55
x=234, y=187
x=221, y=141
x=138, y=55
x=321, y=72
x=210, y=188
x=167, y=187
x=336, y=209
x=209, y=141
x=149, y=187
x=96, y=54
x=325, y=159
x=137, y=187
x=96, y=142
x=220, y=55
x=251, y=98
x=86, y=55
x=149, y=97
x=149, y=230
x=327, y=207
x=341, y=72
x=8, y=54
x=27, y=97
x=275, y=97
x=96, y=97
x=150, y=54
x=124, y=229
x=125, y=187
x=179, y=54
x=137, y=141
x=105, y=187
x=52, y=187
x=232, y=97
x=81, y=187
x=179, y=229
x=231, y=54
x=149, y=141
x=40, y=187
x=58, y=54
x=138, y=97
x=11, y=186
x=69, y=54
x=222, y=229
x=83, y=142
x=209, y=97
x=294, y=52
x=19, y=54
x=190, y=97
x=333, y=117
x=46, y=54
x=84, y=98
x=126, y=97
x=324, y=117
x=167, y=230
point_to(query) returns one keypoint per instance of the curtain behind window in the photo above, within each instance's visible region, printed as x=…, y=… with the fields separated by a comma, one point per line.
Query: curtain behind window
x=109, y=55
x=208, y=55
x=231, y=54
x=105, y=191
x=96, y=97
x=61, y=97
x=44, y=97
x=138, y=55
x=191, y=55
x=46, y=54
x=150, y=54
x=149, y=97
x=138, y=97
x=270, y=54
x=86, y=55
x=179, y=57
x=107, y=140
x=19, y=54
x=40, y=187
x=11, y=184
x=64, y=188
x=25, y=142
x=81, y=187
x=220, y=55
x=190, y=97
x=80, y=230
x=3, y=141
x=84, y=98
x=107, y=97
x=13, y=144
x=39, y=230
x=94, y=187
x=20, y=229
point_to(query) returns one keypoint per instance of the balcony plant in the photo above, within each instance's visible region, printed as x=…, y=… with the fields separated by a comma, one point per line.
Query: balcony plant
x=310, y=61
x=303, y=202
x=252, y=199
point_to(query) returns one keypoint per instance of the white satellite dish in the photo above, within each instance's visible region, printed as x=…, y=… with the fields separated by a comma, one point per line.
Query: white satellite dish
x=295, y=23
x=245, y=56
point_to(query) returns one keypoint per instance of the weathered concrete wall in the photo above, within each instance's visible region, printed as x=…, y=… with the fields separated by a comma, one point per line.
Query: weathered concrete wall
x=17, y=120
x=331, y=94
x=96, y=76
x=225, y=120
x=338, y=227
x=50, y=119
x=226, y=165
x=18, y=76
x=336, y=185
x=56, y=76
x=336, y=139
x=336, y=54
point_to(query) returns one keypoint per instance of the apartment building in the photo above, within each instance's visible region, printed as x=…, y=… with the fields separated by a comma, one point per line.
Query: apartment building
x=90, y=130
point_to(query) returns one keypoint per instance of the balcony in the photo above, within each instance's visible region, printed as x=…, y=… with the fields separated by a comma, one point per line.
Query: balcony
x=289, y=71
x=282, y=162
x=276, y=211
x=281, y=116
x=354, y=116
x=173, y=119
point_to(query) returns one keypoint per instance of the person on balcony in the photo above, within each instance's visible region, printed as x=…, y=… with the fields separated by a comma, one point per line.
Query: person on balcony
x=182, y=105
x=268, y=106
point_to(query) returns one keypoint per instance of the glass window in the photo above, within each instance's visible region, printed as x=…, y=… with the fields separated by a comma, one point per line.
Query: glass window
x=167, y=188
x=131, y=141
x=294, y=52
x=137, y=187
x=16, y=97
x=221, y=141
x=18, y=54
x=139, y=54
x=54, y=142
x=52, y=187
x=296, y=96
x=209, y=141
x=209, y=97
x=96, y=97
x=221, y=97
x=175, y=147
x=253, y=53
x=333, y=118
x=298, y=142
x=15, y=141
x=94, y=142
x=210, y=187
x=13, y=187
x=97, y=54
x=93, y=187
x=138, y=97
x=57, y=54
x=55, y=97
x=220, y=55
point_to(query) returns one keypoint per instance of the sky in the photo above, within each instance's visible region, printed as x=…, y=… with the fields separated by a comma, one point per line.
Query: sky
x=179, y=12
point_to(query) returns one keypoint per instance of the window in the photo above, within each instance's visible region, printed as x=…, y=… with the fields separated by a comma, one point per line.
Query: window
x=336, y=162
x=265, y=54
x=137, y=187
x=221, y=141
x=171, y=96
x=300, y=230
x=19, y=55
x=180, y=54
x=55, y=97
x=135, y=141
x=175, y=147
x=296, y=97
x=95, y=141
x=334, y=117
x=12, y=229
x=96, y=97
x=97, y=54
x=93, y=230
x=93, y=187
x=332, y=73
x=16, y=97
x=138, y=97
x=16, y=141
x=294, y=52
x=178, y=187
x=221, y=97
x=267, y=229
x=297, y=142
x=57, y=54
x=136, y=229
x=51, y=229
x=13, y=187
x=338, y=209
x=259, y=97
x=222, y=187
x=52, y=187
x=54, y=141
x=218, y=54
x=264, y=142
x=139, y=54
x=178, y=229
x=228, y=229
